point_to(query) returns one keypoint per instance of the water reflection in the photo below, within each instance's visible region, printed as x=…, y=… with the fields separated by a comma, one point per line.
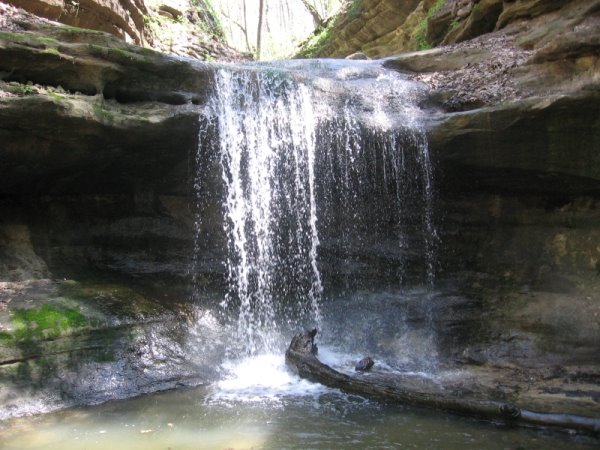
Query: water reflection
x=230, y=416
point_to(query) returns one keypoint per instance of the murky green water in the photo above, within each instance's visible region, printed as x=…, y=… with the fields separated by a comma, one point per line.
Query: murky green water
x=272, y=410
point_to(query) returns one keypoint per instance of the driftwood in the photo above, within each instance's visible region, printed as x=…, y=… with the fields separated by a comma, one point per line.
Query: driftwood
x=301, y=357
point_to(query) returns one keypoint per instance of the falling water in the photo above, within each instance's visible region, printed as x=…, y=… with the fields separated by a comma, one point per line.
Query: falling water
x=332, y=150
x=266, y=128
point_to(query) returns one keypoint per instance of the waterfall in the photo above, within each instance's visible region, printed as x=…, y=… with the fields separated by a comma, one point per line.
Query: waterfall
x=333, y=151
x=266, y=127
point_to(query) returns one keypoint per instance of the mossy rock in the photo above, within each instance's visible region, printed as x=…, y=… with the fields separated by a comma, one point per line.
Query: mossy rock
x=46, y=321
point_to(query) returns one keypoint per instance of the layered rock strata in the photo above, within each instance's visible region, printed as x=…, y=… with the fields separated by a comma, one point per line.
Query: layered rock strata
x=123, y=18
x=379, y=28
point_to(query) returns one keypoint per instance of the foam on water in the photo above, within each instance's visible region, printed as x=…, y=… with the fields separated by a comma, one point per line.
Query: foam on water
x=261, y=378
x=265, y=378
x=337, y=359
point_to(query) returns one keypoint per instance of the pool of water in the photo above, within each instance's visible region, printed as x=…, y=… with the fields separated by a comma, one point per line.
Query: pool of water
x=260, y=405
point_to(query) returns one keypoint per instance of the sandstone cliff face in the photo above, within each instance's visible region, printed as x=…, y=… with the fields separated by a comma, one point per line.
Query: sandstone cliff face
x=514, y=133
x=359, y=23
x=98, y=143
x=177, y=27
x=380, y=28
x=123, y=18
x=102, y=141
x=95, y=109
x=516, y=122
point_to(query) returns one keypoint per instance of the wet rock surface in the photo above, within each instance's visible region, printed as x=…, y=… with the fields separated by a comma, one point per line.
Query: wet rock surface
x=66, y=343
x=513, y=119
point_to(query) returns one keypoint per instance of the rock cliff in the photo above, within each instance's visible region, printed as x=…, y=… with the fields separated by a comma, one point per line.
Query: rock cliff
x=514, y=133
x=177, y=27
x=80, y=112
x=124, y=19
x=513, y=123
x=99, y=138
x=380, y=28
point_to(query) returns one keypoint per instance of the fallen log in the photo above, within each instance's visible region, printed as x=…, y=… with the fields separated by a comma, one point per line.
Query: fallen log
x=301, y=357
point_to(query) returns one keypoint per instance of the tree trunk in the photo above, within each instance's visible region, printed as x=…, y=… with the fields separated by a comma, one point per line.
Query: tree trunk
x=246, y=27
x=392, y=388
x=261, y=11
x=317, y=19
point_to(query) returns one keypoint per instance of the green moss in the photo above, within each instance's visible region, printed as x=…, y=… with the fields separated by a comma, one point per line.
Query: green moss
x=80, y=30
x=57, y=98
x=420, y=38
x=122, y=53
x=17, y=37
x=47, y=41
x=420, y=34
x=103, y=114
x=28, y=38
x=47, y=321
x=5, y=338
x=52, y=51
x=316, y=43
x=98, y=50
x=147, y=52
x=25, y=89
x=114, y=53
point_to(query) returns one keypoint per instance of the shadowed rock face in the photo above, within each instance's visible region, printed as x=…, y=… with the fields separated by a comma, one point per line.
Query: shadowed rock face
x=513, y=124
x=99, y=161
x=101, y=143
x=513, y=132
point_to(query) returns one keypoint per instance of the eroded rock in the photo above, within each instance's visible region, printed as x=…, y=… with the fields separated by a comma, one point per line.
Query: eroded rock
x=124, y=19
